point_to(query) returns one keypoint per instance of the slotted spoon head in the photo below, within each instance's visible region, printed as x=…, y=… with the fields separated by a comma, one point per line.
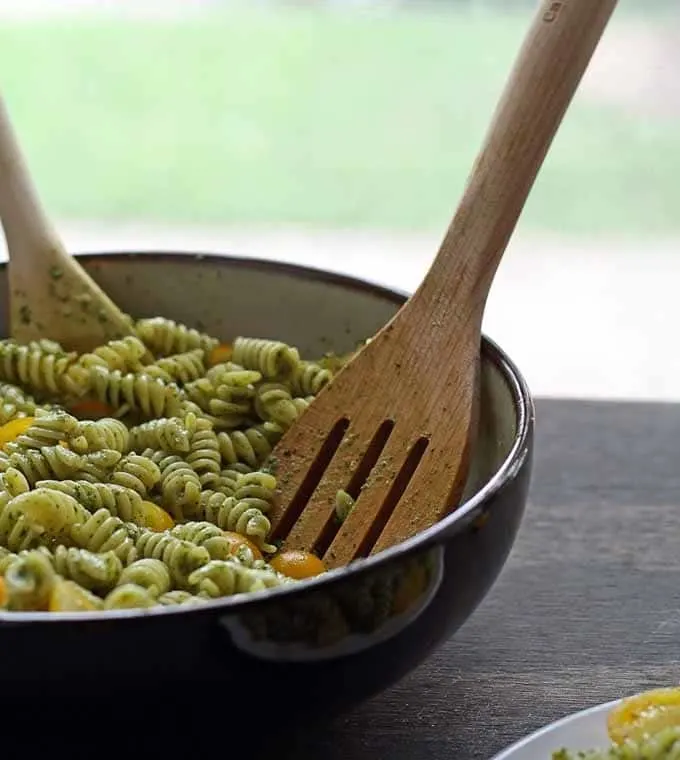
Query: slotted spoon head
x=395, y=427
x=393, y=431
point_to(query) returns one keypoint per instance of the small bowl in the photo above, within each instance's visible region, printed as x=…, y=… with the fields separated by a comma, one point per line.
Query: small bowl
x=331, y=642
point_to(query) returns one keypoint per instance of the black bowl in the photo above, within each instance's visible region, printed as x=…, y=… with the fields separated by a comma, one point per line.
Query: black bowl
x=317, y=649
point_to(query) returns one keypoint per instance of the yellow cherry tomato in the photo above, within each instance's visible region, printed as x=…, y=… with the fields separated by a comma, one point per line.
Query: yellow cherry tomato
x=297, y=564
x=91, y=409
x=644, y=714
x=68, y=596
x=156, y=518
x=11, y=430
x=237, y=541
x=220, y=354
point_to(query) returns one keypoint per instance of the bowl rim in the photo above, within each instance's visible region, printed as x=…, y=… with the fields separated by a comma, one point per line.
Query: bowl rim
x=436, y=534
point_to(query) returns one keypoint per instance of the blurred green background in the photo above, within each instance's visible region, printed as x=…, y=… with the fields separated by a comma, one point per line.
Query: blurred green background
x=335, y=117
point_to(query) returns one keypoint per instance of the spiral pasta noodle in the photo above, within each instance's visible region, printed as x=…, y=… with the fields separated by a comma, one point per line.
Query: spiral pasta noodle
x=136, y=392
x=271, y=358
x=180, y=557
x=226, y=577
x=128, y=596
x=308, y=378
x=180, y=485
x=94, y=571
x=106, y=433
x=150, y=574
x=226, y=393
x=256, y=489
x=33, y=368
x=274, y=402
x=237, y=516
x=47, y=430
x=207, y=535
x=164, y=434
x=140, y=474
x=120, y=501
x=125, y=354
x=14, y=403
x=97, y=466
x=251, y=446
x=204, y=456
x=136, y=472
x=102, y=532
x=165, y=337
x=177, y=596
x=16, y=533
x=29, y=582
x=181, y=368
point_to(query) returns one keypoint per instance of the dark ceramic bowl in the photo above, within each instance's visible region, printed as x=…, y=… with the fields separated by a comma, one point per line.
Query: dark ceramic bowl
x=331, y=642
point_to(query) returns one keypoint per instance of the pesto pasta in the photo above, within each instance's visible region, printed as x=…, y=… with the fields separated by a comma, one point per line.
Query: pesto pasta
x=664, y=745
x=138, y=475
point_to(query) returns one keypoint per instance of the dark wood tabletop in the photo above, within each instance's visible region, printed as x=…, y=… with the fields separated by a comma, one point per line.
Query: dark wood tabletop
x=587, y=608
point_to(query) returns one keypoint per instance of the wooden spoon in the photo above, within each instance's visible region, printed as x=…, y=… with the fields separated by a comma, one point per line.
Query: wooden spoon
x=394, y=428
x=51, y=295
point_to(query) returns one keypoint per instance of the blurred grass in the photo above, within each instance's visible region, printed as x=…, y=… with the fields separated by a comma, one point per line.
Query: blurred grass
x=267, y=117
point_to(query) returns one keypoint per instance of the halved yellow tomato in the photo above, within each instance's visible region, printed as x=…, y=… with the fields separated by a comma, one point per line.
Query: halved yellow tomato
x=644, y=714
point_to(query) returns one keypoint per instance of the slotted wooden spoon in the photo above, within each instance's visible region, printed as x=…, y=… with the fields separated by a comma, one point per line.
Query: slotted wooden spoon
x=394, y=428
x=51, y=295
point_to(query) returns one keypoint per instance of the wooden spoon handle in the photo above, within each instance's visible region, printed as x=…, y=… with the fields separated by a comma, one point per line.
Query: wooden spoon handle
x=554, y=56
x=24, y=221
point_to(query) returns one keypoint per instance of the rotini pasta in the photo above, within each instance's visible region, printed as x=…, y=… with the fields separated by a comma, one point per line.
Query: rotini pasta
x=16, y=533
x=102, y=532
x=97, y=572
x=128, y=596
x=181, y=368
x=136, y=392
x=48, y=430
x=140, y=474
x=125, y=355
x=180, y=485
x=106, y=433
x=150, y=574
x=662, y=745
x=227, y=577
x=165, y=434
x=35, y=369
x=120, y=501
x=29, y=582
x=180, y=557
x=204, y=456
x=238, y=516
x=271, y=358
x=177, y=597
x=226, y=393
x=207, y=535
x=165, y=337
x=251, y=446
x=137, y=473
x=50, y=462
x=308, y=378
x=274, y=403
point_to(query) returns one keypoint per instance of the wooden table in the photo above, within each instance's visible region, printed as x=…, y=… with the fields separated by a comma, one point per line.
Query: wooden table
x=586, y=610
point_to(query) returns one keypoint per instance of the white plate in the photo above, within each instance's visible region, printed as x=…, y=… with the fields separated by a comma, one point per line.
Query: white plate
x=581, y=731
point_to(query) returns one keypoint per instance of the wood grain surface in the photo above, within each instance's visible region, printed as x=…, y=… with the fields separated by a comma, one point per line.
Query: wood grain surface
x=586, y=610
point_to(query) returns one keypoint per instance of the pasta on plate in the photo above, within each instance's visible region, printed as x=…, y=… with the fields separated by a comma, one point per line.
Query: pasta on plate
x=642, y=727
x=140, y=474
